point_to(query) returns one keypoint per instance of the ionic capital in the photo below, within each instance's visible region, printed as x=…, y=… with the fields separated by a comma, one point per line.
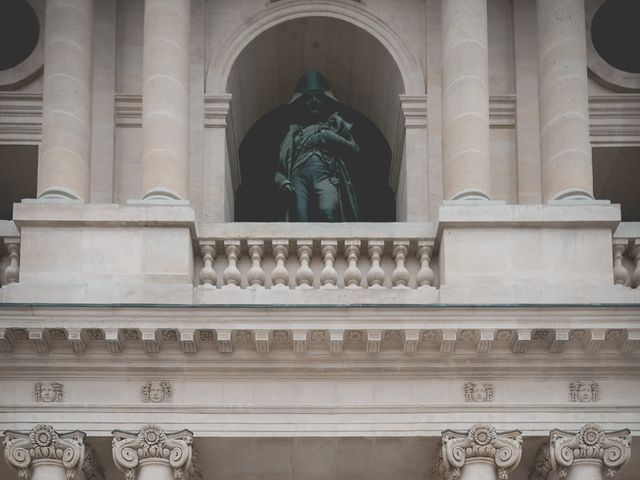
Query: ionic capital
x=481, y=442
x=151, y=442
x=611, y=450
x=44, y=443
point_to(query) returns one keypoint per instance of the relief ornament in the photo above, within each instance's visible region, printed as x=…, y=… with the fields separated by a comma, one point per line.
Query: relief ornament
x=49, y=392
x=478, y=392
x=156, y=392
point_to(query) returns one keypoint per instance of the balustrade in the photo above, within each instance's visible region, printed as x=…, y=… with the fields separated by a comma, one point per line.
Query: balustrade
x=303, y=263
x=626, y=255
x=9, y=253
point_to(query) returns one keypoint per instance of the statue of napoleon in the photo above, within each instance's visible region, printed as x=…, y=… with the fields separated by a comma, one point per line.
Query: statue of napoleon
x=314, y=155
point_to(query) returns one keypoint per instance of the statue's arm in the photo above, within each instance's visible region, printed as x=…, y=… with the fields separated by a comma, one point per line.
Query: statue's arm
x=281, y=176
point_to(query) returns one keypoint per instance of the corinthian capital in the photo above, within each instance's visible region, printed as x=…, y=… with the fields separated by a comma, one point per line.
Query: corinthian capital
x=44, y=443
x=481, y=441
x=612, y=450
x=130, y=449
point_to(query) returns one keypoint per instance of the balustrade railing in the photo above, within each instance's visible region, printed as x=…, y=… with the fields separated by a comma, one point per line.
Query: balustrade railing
x=626, y=255
x=316, y=256
x=9, y=253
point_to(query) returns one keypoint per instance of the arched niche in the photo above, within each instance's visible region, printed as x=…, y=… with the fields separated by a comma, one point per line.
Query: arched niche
x=368, y=67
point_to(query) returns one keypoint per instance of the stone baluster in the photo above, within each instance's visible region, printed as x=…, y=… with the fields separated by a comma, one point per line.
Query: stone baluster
x=256, y=275
x=375, y=275
x=565, y=148
x=481, y=453
x=208, y=276
x=44, y=454
x=400, y=275
x=304, y=274
x=152, y=454
x=591, y=454
x=620, y=274
x=424, y=277
x=12, y=272
x=635, y=255
x=329, y=275
x=352, y=275
x=231, y=275
x=280, y=274
x=165, y=99
x=65, y=151
x=465, y=100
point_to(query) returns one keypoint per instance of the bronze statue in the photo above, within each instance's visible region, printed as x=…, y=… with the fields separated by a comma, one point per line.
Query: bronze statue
x=312, y=168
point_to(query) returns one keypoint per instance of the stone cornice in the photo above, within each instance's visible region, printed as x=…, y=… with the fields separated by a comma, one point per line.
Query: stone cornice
x=481, y=442
x=151, y=442
x=612, y=450
x=44, y=443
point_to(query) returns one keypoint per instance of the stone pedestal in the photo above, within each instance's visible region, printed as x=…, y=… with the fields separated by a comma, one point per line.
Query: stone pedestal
x=152, y=454
x=45, y=453
x=465, y=100
x=65, y=151
x=565, y=149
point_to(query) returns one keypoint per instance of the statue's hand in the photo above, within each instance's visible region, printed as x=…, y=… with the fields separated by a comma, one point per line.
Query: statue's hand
x=287, y=188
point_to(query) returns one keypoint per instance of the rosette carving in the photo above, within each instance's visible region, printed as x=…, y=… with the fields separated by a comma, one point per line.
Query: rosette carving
x=481, y=441
x=41, y=443
x=130, y=448
x=612, y=449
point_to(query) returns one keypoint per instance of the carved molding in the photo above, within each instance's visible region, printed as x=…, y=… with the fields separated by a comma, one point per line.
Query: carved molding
x=44, y=443
x=612, y=450
x=130, y=448
x=481, y=441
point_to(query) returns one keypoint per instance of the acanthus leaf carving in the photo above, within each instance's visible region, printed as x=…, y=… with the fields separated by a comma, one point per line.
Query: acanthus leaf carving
x=613, y=449
x=129, y=448
x=43, y=442
x=505, y=449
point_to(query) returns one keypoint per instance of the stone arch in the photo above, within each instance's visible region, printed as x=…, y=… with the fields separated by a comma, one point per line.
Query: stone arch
x=287, y=10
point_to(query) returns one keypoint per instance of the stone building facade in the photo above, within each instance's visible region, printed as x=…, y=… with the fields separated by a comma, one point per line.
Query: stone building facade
x=491, y=331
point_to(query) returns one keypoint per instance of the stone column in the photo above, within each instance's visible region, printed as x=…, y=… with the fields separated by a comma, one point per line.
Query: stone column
x=565, y=149
x=152, y=454
x=480, y=454
x=44, y=454
x=591, y=454
x=165, y=99
x=465, y=100
x=65, y=150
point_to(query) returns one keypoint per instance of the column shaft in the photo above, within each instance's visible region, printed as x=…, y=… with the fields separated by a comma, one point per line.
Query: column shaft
x=155, y=469
x=65, y=150
x=586, y=471
x=565, y=149
x=465, y=100
x=165, y=94
x=479, y=470
x=48, y=470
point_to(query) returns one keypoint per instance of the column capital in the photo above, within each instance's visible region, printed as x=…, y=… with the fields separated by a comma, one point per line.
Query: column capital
x=611, y=450
x=152, y=442
x=481, y=442
x=44, y=443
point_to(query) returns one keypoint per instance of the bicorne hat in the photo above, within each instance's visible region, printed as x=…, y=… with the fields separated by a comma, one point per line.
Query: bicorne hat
x=312, y=81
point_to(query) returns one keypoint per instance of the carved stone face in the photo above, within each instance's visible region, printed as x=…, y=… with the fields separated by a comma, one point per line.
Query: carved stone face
x=47, y=393
x=585, y=393
x=156, y=393
x=479, y=393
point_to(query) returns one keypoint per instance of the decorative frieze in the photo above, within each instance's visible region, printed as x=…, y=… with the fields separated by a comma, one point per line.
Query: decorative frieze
x=481, y=443
x=49, y=392
x=44, y=443
x=590, y=447
x=133, y=451
x=155, y=391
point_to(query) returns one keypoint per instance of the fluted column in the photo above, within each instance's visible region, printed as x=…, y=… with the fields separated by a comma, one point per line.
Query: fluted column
x=64, y=164
x=591, y=454
x=44, y=454
x=565, y=149
x=165, y=99
x=152, y=454
x=480, y=454
x=465, y=100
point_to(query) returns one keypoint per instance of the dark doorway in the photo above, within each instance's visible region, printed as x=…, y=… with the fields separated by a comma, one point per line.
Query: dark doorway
x=18, y=176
